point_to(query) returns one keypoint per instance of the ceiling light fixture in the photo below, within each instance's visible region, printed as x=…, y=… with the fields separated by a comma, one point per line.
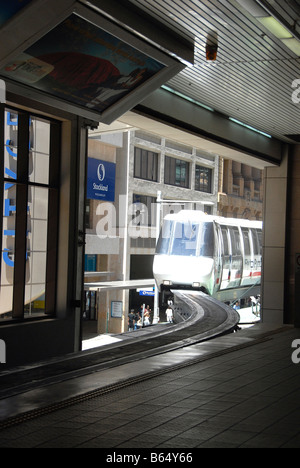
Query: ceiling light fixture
x=187, y=98
x=250, y=128
x=274, y=23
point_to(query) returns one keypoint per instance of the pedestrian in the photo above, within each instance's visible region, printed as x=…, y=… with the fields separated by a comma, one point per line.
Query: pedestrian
x=131, y=320
x=169, y=314
x=147, y=317
x=136, y=320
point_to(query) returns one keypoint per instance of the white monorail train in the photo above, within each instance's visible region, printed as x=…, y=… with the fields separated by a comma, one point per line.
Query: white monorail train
x=220, y=256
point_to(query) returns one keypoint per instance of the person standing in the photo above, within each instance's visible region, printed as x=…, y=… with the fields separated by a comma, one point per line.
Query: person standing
x=169, y=314
x=131, y=320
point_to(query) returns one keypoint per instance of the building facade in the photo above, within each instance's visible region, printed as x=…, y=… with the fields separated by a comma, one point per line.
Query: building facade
x=121, y=235
x=241, y=191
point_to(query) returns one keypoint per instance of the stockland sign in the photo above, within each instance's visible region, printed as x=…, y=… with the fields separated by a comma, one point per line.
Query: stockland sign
x=101, y=180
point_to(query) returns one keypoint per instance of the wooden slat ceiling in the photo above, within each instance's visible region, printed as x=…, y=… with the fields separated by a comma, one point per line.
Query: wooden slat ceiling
x=252, y=78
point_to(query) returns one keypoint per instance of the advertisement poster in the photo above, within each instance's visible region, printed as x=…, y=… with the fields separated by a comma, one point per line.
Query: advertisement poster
x=81, y=63
x=101, y=180
x=9, y=8
x=116, y=309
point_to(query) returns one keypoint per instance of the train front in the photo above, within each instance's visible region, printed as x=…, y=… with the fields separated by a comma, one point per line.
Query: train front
x=184, y=256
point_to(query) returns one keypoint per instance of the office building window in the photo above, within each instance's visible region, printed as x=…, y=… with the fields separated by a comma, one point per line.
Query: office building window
x=145, y=165
x=144, y=210
x=203, y=182
x=177, y=172
x=29, y=160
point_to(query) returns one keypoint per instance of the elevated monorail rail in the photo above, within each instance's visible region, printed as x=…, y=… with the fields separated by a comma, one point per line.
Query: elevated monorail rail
x=198, y=316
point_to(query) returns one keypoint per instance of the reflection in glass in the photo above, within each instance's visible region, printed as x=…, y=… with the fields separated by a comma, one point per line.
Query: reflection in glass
x=37, y=227
x=7, y=254
x=39, y=151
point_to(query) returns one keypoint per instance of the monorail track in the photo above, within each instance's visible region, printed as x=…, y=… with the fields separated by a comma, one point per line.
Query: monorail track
x=207, y=319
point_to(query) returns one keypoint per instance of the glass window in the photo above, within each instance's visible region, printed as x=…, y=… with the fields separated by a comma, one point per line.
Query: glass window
x=185, y=239
x=31, y=178
x=256, y=246
x=37, y=237
x=145, y=164
x=203, y=179
x=260, y=241
x=39, y=151
x=177, y=172
x=188, y=235
x=235, y=241
x=246, y=240
x=207, y=240
x=145, y=209
x=8, y=251
x=163, y=244
x=225, y=240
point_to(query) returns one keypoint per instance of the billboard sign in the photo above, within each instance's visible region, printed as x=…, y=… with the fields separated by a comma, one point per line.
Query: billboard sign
x=101, y=180
x=84, y=62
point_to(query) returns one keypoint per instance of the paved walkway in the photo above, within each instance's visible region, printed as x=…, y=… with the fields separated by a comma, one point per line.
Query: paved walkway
x=244, y=396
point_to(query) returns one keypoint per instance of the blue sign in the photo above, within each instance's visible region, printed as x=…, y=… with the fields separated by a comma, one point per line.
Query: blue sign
x=147, y=293
x=101, y=180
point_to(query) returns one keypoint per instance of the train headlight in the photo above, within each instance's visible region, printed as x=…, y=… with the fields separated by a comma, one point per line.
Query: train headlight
x=167, y=283
x=196, y=285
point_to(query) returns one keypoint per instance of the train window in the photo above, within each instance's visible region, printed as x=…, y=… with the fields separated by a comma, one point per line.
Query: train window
x=235, y=241
x=260, y=241
x=207, y=238
x=164, y=238
x=256, y=247
x=185, y=239
x=246, y=239
x=225, y=240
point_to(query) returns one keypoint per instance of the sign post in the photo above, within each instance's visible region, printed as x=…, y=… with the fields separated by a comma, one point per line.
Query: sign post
x=158, y=224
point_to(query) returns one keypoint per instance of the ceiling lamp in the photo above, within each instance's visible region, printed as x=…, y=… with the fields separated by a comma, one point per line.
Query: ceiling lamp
x=274, y=23
x=212, y=46
x=275, y=27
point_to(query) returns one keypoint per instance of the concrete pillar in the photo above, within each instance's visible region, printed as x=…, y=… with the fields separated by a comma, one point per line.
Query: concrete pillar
x=293, y=239
x=275, y=216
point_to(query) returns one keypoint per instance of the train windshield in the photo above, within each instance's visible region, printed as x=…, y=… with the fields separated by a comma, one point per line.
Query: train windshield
x=165, y=238
x=186, y=239
x=193, y=239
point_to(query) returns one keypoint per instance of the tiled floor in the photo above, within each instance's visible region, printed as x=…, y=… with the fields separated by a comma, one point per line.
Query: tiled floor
x=244, y=398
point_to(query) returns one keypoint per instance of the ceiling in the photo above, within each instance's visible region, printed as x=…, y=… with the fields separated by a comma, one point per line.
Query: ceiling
x=251, y=80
